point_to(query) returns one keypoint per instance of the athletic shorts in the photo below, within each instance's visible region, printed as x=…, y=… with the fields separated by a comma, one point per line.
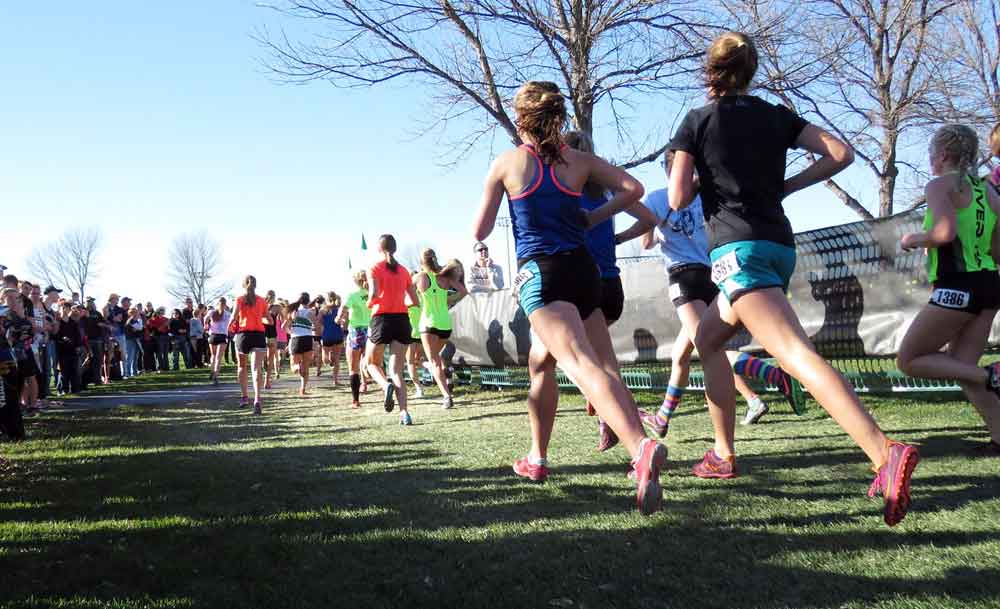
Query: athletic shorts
x=300, y=344
x=357, y=338
x=612, y=298
x=333, y=342
x=282, y=345
x=442, y=334
x=27, y=367
x=690, y=282
x=747, y=266
x=390, y=327
x=967, y=292
x=245, y=342
x=570, y=276
x=219, y=339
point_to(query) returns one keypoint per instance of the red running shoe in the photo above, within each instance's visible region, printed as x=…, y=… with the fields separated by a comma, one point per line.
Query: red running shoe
x=590, y=410
x=714, y=466
x=652, y=458
x=606, y=437
x=526, y=469
x=892, y=480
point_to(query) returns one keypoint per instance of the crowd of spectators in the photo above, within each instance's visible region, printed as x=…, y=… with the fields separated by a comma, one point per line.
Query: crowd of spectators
x=51, y=345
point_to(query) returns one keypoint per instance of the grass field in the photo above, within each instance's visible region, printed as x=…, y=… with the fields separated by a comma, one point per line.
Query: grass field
x=313, y=505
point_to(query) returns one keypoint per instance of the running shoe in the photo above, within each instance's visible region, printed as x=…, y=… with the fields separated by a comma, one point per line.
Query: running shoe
x=256, y=408
x=892, y=480
x=405, y=418
x=755, y=410
x=987, y=449
x=244, y=402
x=267, y=385
x=355, y=404
x=651, y=421
x=714, y=466
x=364, y=387
x=526, y=469
x=993, y=377
x=419, y=393
x=390, y=397
x=447, y=403
x=792, y=390
x=652, y=458
x=590, y=409
x=606, y=437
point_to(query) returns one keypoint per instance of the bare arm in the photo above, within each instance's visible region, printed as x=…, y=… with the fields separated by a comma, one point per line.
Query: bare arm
x=683, y=186
x=372, y=287
x=938, y=194
x=627, y=190
x=422, y=283
x=489, y=204
x=646, y=221
x=834, y=155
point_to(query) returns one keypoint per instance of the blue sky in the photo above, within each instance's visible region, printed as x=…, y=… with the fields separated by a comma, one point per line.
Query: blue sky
x=149, y=120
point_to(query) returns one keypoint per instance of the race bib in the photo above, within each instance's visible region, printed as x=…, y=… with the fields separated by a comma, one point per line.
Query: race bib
x=674, y=291
x=953, y=299
x=725, y=267
x=521, y=278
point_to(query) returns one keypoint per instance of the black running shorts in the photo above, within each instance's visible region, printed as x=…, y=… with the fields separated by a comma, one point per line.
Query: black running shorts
x=691, y=282
x=389, y=328
x=967, y=292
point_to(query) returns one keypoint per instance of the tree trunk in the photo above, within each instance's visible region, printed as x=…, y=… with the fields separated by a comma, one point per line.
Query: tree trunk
x=887, y=179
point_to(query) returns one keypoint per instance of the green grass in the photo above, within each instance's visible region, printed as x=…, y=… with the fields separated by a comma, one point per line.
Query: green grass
x=158, y=381
x=312, y=505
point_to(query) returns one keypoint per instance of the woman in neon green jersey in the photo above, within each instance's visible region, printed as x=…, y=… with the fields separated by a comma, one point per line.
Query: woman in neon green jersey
x=357, y=316
x=433, y=284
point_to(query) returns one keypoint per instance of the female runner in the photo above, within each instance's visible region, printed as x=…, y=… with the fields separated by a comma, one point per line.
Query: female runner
x=299, y=322
x=333, y=335
x=433, y=285
x=251, y=318
x=357, y=316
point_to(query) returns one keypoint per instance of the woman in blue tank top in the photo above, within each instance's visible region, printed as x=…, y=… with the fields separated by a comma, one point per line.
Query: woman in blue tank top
x=558, y=283
x=738, y=144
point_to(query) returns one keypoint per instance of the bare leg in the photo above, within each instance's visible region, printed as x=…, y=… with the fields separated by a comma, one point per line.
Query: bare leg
x=373, y=363
x=397, y=355
x=932, y=328
x=543, y=399
x=241, y=363
x=335, y=353
x=432, y=348
x=256, y=358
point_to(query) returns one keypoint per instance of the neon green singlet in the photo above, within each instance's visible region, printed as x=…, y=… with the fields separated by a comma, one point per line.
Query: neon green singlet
x=971, y=250
x=414, y=313
x=434, y=308
x=357, y=306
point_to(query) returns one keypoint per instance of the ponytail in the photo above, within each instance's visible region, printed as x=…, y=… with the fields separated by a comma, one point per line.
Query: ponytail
x=541, y=115
x=387, y=243
x=250, y=284
x=429, y=261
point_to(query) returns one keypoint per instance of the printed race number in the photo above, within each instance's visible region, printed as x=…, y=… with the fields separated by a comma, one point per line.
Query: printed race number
x=519, y=281
x=725, y=267
x=953, y=299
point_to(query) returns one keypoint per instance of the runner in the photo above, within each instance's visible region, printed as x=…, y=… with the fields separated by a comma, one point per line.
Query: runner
x=558, y=284
x=271, y=336
x=299, y=322
x=415, y=350
x=684, y=248
x=752, y=249
x=391, y=287
x=356, y=315
x=218, y=329
x=433, y=284
x=250, y=319
x=962, y=245
x=282, y=334
x=316, y=307
x=995, y=152
x=333, y=335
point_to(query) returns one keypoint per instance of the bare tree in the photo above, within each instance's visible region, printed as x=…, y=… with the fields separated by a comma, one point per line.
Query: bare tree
x=874, y=75
x=195, y=263
x=475, y=54
x=69, y=261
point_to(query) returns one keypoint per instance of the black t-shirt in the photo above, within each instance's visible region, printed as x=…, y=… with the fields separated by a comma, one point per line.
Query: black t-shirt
x=740, y=144
x=93, y=325
x=178, y=327
x=187, y=314
x=116, y=315
x=271, y=330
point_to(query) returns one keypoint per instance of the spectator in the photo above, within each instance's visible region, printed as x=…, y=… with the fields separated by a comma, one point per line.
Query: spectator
x=20, y=333
x=115, y=316
x=51, y=365
x=133, y=335
x=11, y=424
x=26, y=304
x=94, y=328
x=485, y=275
x=75, y=299
x=69, y=342
x=180, y=344
x=160, y=327
x=149, y=347
x=196, y=332
x=44, y=322
x=188, y=311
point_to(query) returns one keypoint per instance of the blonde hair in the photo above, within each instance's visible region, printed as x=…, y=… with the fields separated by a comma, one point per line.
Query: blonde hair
x=541, y=114
x=453, y=270
x=578, y=140
x=429, y=261
x=361, y=280
x=730, y=64
x=960, y=145
x=995, y=140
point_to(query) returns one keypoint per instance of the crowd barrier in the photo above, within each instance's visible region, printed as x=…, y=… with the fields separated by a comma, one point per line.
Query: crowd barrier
x=855, y=291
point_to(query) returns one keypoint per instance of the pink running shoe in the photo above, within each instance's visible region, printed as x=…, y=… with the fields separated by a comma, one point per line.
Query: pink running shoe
x=892, y=480
x=606, y=437
x=650, y=420
x=714, y=466
x=244, y=402
x=525, y=468
x=652, y=458
x=267, y=385
x=256, y=408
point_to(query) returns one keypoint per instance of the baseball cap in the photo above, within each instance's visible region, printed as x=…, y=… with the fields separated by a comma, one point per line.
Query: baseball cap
x=51, y=289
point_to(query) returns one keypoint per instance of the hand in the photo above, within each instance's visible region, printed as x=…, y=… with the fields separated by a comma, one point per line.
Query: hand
x=910, y=241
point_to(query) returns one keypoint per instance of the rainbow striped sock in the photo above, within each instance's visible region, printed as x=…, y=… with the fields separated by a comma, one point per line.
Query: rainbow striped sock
x=756, y=368
x=671, y=401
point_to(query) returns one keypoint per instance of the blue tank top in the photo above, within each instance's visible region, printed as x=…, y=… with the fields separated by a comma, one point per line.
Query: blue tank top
x=331, y=330
x=601, y=240
x=546, y=218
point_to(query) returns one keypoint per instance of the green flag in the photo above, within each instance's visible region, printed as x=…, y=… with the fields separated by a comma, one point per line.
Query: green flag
x=364, y=246
x=348, y=263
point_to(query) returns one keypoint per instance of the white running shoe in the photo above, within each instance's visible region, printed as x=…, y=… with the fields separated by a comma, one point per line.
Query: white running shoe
x=755, y=410
x=447, y=403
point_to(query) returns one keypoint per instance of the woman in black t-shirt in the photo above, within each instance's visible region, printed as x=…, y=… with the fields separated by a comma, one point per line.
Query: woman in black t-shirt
x=178, y=337
x=738, y=145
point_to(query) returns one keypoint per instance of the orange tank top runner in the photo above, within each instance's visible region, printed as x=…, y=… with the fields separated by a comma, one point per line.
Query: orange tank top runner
x=391, y=287
x=249, y=318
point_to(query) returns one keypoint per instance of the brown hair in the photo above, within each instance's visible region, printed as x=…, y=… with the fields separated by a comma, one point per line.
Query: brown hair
x=429, y=261
x=219, y=311
x=995, y=140
x=250, y=285
x=961, y=145
x=333, y=299
x=454, y=270
x=730, y=64
x=578, y=140
x=541, y=114
x=387, y=243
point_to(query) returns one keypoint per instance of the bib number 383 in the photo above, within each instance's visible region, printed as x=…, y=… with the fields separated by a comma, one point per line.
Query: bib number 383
x=725, y=267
